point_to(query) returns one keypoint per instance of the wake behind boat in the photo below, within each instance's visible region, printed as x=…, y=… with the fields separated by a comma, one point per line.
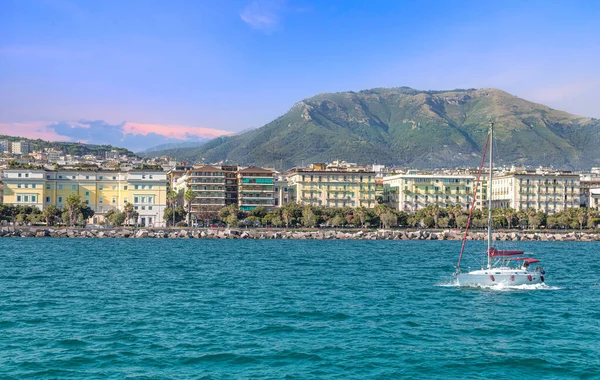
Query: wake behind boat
x=503, y=267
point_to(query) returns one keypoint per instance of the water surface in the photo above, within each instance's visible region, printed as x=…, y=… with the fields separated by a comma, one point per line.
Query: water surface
x=149, y=308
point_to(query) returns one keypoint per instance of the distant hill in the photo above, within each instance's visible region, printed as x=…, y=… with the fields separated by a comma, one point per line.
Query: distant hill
x=404, y=126
x=74, y=148
x=152, y=152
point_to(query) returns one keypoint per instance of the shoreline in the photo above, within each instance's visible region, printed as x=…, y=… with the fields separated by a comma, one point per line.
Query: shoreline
x=284, y=234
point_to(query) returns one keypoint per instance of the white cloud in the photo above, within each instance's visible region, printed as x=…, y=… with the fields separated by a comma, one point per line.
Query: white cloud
x=263, y=15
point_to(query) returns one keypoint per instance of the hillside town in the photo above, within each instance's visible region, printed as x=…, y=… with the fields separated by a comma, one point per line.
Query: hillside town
x=160, y=192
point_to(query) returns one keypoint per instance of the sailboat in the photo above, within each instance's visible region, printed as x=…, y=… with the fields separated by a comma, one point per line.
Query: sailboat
x=504, y=267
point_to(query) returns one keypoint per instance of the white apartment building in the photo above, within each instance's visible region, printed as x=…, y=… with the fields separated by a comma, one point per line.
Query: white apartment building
x=412, y=192
x=20, y=147
x=549, y=192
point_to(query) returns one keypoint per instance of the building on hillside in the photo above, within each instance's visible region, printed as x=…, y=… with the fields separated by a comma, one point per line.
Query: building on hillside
x=546, y=191
x=5, y=146
x=332, y=187
x=255, y=188
x=102, y=191
x=412, y=192
x=53, y=155
x=20, y=147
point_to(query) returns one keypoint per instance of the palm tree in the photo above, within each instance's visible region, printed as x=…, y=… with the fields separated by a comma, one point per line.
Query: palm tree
x=509, y=214
x=128, y=212
x=531, y=213
x=172, y=200
x=581, y=217
x=189, y=196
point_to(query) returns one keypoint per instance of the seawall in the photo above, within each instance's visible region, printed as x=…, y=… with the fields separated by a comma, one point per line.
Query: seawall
x=321, y=234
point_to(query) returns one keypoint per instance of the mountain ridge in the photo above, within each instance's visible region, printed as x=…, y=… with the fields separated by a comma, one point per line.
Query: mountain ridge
x=409, y=127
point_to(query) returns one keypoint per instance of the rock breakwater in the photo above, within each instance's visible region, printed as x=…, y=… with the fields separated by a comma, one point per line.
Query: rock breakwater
x=329, y=234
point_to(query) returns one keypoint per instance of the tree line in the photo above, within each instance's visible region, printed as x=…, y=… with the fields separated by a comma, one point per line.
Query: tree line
x=74, y=213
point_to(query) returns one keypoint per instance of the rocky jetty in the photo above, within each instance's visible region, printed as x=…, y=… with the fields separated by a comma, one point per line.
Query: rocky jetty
x=317, y=234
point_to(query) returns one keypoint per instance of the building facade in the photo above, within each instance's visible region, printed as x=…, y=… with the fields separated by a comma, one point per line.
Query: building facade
x=412, y=192
x=20, y=147
x=255, y=188
x=549, y=192
x=101, y=190
x=319, y=186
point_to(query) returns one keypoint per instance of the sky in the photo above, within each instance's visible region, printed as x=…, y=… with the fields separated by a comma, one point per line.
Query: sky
x=138, y=73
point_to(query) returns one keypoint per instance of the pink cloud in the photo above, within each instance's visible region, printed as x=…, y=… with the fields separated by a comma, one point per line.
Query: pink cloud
x=179, y=132
x=32, y=130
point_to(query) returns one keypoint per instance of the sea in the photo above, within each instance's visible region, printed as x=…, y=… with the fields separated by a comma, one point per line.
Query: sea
x=283, y=309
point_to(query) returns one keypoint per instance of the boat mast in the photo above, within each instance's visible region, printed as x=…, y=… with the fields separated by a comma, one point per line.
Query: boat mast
x=490, y=195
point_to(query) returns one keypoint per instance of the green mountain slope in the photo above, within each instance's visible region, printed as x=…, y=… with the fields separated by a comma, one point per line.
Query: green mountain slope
x=403, y=126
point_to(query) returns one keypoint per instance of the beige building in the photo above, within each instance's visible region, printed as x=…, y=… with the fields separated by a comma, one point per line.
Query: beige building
x=412, y=192
x=549, y=192
x=20, y=147
x=333, y=187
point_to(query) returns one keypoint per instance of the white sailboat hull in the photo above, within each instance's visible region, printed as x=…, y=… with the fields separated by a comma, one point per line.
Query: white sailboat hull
x=499, y=277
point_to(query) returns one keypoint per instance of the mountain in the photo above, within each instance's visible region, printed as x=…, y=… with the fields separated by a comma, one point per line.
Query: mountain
x=151, y=152
x=74, y=148
x=408, y=127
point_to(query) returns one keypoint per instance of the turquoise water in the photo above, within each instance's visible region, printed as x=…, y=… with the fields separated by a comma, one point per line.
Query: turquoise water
x=100, y=308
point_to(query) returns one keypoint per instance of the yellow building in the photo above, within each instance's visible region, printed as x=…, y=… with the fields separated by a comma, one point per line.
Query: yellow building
x=332, y=188
x=101, y=190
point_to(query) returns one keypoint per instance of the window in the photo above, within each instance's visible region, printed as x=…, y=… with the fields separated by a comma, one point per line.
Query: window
x=48, y=176
x=73, y=187
x=33, y=185
x=100, y=177
x=48, y=187
x=135, y=199
x=136, y=207
x=33, y=198
x=26, y=198
x=60, y=187
x=87, y=193
x=150, y=176
x=149, y=207
x=125, y=187
x=100, y=187
x=143, y=207
x=87, y=177
x=87, y=202
x=59, y=199
x=114, y=177
x=47, y=199
x=18, y=185
x=60, y=176
x=114, y=200
x=19, y=175
x=136, y=187
x=18, y=197
x=73, y=177
x=100, y=200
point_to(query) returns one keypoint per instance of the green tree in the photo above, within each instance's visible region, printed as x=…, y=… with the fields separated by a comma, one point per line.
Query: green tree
x=51, y=214
x=337, y=221
x=172, y=197
x=128, y=210
x=189, y=196
x=309, y=219
x=117, y=218
x=389, y=219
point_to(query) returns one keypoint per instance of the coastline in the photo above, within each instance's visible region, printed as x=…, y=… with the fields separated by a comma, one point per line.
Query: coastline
x=288, y=234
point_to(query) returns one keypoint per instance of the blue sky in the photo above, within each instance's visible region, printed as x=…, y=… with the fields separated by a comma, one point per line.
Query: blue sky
x=152, y=71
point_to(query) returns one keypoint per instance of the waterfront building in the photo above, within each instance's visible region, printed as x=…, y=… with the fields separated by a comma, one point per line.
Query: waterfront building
x=281, y=190
x=333, y=186
x=208, y=183
x=588, y=181
x=255, y=188
x=595, y=199
x=412, y=192
x=543, y=190
x=102, y=191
